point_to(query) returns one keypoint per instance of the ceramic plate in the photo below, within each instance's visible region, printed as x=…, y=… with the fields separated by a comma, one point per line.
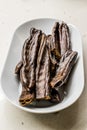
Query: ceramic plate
x=10, y=83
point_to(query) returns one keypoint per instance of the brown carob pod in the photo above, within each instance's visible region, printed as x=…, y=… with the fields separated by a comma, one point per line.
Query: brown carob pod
x=64, y=36
x=53, y=60
x=25, y=68
x=65, y=66
x=27, y=72
x=32, y=59
x=43, y=71
x=55, y=46
x=53, y=41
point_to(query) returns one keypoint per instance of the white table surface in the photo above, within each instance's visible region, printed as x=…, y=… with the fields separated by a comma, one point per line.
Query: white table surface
x=12, y=14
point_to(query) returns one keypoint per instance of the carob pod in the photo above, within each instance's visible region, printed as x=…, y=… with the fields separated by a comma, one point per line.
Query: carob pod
x=32, y=59
x=65, y=66
x=67, y=62
x=27, y=73
x=43, y=71
x=64, y=44
x=22, y=65
x=25, y=96
x=54, y=48
x=53, y=60
x=53, y=41
x=64, y=36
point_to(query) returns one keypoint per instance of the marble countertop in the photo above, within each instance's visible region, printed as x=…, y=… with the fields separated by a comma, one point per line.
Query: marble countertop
x=12, y=14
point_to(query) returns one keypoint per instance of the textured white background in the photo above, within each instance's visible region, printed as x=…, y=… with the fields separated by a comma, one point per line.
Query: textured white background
x=12, y=14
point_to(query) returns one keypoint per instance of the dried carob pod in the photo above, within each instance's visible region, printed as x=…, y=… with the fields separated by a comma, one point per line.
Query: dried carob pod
x=65, y=66
x=26, y=97
x=64, y=36
x=54, y=42
x=53, y=60
x=43, y=71
x=54, y=48
x=27, y=73
x=33, y=52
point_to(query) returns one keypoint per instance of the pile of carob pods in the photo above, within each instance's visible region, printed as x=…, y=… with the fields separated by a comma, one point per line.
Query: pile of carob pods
x=46, y=63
